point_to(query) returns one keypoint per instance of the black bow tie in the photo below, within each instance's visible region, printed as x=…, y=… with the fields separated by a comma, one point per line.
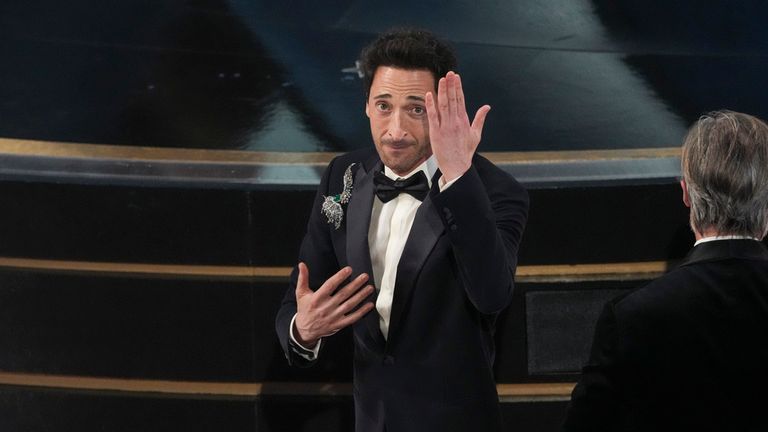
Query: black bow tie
x=388, y=189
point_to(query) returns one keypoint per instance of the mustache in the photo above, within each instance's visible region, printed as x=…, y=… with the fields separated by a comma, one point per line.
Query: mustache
x=397, y=142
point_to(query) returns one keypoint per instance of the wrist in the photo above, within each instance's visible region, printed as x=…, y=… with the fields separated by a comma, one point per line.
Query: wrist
x=304, y=340
x=452, y=173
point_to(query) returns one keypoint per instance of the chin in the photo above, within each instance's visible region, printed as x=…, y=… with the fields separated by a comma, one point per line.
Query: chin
x=403, y=167
x=396, y=161
x=402, y=161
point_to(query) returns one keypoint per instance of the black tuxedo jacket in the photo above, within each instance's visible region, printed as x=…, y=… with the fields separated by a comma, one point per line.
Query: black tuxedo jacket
x=434, y=372
x=687, y=352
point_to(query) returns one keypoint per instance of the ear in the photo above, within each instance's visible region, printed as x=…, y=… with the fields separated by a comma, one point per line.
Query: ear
x=686, y=197
x=367, y=110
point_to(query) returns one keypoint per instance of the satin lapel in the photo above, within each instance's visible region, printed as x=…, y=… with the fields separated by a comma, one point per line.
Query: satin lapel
x=426, y=229
x=358, y=252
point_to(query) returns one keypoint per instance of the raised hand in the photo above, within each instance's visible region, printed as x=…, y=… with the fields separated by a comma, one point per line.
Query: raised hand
x=454, y=140
x=322, y=313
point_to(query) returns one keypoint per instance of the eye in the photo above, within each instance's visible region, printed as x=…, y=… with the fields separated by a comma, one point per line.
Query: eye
x=382, y=106
x=418, y=110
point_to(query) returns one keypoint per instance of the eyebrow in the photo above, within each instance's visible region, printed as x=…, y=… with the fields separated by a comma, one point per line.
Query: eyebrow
x=389, y=96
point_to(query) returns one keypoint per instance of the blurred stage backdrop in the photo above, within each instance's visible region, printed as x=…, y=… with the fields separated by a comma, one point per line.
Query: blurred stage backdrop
x=280, y=76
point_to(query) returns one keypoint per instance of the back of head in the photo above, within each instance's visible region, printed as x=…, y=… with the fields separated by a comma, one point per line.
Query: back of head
x=725, y=167
x=406, y=49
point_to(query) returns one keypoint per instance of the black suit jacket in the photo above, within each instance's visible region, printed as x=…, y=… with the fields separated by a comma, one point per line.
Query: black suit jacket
x=687, y=352
x=434, y=372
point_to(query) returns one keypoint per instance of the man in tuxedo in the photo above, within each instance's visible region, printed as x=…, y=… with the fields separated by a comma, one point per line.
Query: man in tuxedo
x=414, y=244
x=690, y=350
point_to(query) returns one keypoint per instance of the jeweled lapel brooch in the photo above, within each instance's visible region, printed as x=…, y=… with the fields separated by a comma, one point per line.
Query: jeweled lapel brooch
x=332, y=205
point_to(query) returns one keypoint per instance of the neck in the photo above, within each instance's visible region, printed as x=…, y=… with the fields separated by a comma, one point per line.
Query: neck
x=709, y=232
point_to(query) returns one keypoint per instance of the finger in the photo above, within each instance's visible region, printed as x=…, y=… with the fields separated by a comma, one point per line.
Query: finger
x=355, y=316
x=334, y=281
x=450, y=84
x=345, y=293
x=355, y=300
x=433, y=118
x=461, y=106
x=442, y=98
x=302, y=281
x=479, y=121
x=432, y=113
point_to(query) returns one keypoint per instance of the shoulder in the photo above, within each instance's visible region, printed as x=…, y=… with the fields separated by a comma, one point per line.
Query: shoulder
x=679, y=298
x=338, y=166
x=664, y=292
x=647, y=319
x=363, y=156
x=698, y=284
x=497, y=181
x=486, y=168
x=490, y=172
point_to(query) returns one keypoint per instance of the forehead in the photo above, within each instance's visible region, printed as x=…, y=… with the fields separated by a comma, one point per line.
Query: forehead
x=401, y=82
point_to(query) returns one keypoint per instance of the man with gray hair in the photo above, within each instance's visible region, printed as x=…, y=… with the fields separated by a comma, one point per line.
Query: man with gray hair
x=690, y=350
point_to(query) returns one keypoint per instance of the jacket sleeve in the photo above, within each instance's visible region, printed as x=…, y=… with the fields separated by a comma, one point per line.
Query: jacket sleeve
x=484, y=213
x=318, y=254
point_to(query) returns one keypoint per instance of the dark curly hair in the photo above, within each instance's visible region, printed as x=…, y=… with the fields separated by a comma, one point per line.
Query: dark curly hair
x=406, y=48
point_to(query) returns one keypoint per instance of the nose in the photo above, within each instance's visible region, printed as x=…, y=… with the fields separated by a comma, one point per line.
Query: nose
x=395, y=130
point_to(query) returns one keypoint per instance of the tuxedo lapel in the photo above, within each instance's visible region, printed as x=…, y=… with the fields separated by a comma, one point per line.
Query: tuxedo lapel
x=358, y=251
x=426, y=229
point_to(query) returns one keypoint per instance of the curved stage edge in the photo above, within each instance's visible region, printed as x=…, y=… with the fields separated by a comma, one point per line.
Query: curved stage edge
x=154, y=166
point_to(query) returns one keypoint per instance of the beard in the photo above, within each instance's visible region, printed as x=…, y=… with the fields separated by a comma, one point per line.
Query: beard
x=402, y=157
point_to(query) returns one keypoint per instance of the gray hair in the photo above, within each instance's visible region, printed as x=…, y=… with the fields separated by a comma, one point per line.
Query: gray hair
x=725, y=165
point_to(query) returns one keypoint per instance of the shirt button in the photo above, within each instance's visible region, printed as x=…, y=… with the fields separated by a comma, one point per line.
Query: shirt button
x=454, y=227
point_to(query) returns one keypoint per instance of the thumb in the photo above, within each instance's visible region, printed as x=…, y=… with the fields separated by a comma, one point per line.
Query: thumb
x=302, y=282
x=479, y=121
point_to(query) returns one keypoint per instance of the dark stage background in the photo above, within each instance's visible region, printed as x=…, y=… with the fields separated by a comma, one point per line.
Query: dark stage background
x=266, y=75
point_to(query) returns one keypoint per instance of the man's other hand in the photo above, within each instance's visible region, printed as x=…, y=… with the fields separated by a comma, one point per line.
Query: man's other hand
x=325, y=311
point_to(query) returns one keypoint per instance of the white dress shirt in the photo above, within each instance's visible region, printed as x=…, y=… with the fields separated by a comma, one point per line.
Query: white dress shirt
x=390, y=225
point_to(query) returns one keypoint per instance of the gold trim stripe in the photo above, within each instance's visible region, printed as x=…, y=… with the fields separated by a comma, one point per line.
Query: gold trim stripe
x=130, y=385
x=564, y=156
x=533, y=273
x=140, y=269
x=587, y=272
x=511, y=392
x=53, y=149
x=535, y=392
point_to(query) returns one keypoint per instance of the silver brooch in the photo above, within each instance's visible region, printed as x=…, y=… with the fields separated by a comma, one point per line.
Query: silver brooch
x=332, y=205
